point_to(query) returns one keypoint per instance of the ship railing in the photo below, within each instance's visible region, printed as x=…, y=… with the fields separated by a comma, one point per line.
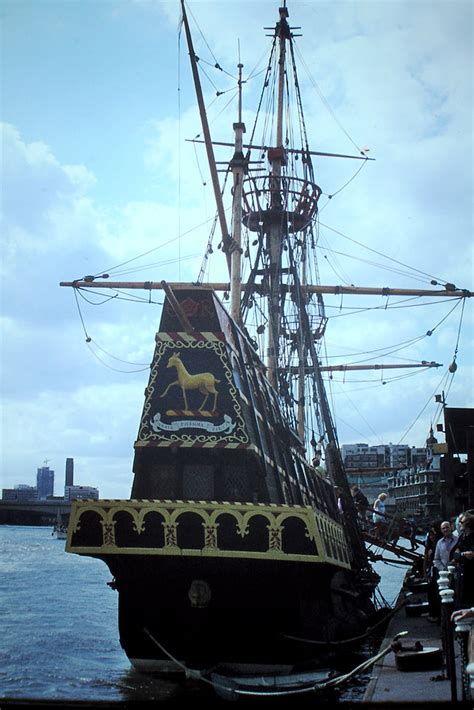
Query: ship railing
x=390, y=528
x=207, y=529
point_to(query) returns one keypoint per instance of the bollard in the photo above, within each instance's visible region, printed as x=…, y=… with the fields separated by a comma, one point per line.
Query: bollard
x=443, y=583
x=447, y=607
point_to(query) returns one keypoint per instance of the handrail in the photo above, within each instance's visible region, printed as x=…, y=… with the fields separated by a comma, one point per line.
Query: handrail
x=389, y=533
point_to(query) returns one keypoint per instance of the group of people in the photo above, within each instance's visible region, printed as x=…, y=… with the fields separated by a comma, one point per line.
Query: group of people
x=362, y=504
x=378, y=516
x=446, y=544
x=450, y=544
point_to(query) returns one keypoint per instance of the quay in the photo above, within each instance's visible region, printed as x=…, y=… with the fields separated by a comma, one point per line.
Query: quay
x=410, y=678
x=393, y=688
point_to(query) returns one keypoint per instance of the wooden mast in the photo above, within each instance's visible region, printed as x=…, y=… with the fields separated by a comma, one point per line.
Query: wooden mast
x=226, y=239
x=276, y=157
x=238, y=166
x=90, y=282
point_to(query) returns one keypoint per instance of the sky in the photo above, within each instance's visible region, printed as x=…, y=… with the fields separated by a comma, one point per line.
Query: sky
x=97, y=107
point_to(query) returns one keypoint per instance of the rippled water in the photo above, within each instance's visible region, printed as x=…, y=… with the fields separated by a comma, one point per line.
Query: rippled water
x=58, y=623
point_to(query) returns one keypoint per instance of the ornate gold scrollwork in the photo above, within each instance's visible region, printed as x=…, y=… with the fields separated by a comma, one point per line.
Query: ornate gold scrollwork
x=108, y=532
x=210, y=536
x=171, y=538
x=275, y=538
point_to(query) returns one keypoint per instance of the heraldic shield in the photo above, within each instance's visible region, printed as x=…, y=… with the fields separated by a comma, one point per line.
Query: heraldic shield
x=192, y=398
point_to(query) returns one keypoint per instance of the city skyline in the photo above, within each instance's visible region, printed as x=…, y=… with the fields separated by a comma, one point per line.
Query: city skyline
x=45, y=482
x=344, y=447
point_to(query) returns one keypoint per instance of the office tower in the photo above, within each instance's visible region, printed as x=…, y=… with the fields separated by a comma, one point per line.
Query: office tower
x=45, y=482
x=69, y=481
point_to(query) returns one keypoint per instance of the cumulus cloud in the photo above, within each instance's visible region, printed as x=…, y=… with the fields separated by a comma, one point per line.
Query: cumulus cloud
x=34, y=182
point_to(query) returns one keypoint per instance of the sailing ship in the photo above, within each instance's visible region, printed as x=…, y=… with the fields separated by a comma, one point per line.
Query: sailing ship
x=234, y=551
x=60, y=528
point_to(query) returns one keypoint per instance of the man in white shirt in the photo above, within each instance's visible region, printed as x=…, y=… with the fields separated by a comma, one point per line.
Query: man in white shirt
x=440, y=562
x=444, y=546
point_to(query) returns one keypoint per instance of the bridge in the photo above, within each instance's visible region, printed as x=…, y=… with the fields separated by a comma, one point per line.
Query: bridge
x=42, y=512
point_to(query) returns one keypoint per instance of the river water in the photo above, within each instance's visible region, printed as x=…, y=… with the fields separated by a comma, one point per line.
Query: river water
x=59, y=637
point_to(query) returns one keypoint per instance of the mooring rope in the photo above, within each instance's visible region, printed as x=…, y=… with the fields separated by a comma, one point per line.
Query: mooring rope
x=365, y=635
x=366, y=664
x=323, y=685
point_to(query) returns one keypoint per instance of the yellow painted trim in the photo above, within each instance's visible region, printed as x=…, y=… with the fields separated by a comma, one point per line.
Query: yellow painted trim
x=327, y=535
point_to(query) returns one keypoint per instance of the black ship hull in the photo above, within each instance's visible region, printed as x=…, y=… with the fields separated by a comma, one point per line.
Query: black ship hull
x=257, y=589
x=260, y=615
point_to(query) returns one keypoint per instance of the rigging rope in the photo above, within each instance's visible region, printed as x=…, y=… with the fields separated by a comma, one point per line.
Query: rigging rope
x=216, y=63
x=430, y=399
x=380, y=350
x=392, y=270
x=398, y=305
x=115, y=369
x=119, y=296
x=150, y=251
x=80, y=315
x=326, y=102
x=89, y=340
x=153, y=265
x=389, y=258
x=126, y=362
x=343, y=187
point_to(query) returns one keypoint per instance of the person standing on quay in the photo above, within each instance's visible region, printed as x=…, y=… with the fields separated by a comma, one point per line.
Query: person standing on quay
x=463, y=555
x=444, y=546
x=440, y=561
x=431, y=540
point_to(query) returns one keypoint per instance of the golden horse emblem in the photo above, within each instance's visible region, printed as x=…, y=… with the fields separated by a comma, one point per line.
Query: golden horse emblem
x=204, y=382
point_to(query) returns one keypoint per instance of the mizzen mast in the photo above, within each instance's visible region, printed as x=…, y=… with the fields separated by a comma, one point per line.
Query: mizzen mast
x=238, y=165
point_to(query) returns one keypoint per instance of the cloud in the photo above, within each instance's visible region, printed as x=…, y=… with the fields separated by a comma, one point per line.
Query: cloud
x=94, y=423
x=62, y=396
x=35, y=183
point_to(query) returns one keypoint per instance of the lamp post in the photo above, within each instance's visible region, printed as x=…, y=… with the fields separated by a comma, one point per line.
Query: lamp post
x=447, y=606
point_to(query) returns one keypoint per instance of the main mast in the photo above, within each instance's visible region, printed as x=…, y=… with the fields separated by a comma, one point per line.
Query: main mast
x=275, y=235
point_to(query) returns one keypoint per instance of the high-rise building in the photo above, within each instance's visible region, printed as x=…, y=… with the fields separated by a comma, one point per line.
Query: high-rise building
x=69, y=480
x=45, y=482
